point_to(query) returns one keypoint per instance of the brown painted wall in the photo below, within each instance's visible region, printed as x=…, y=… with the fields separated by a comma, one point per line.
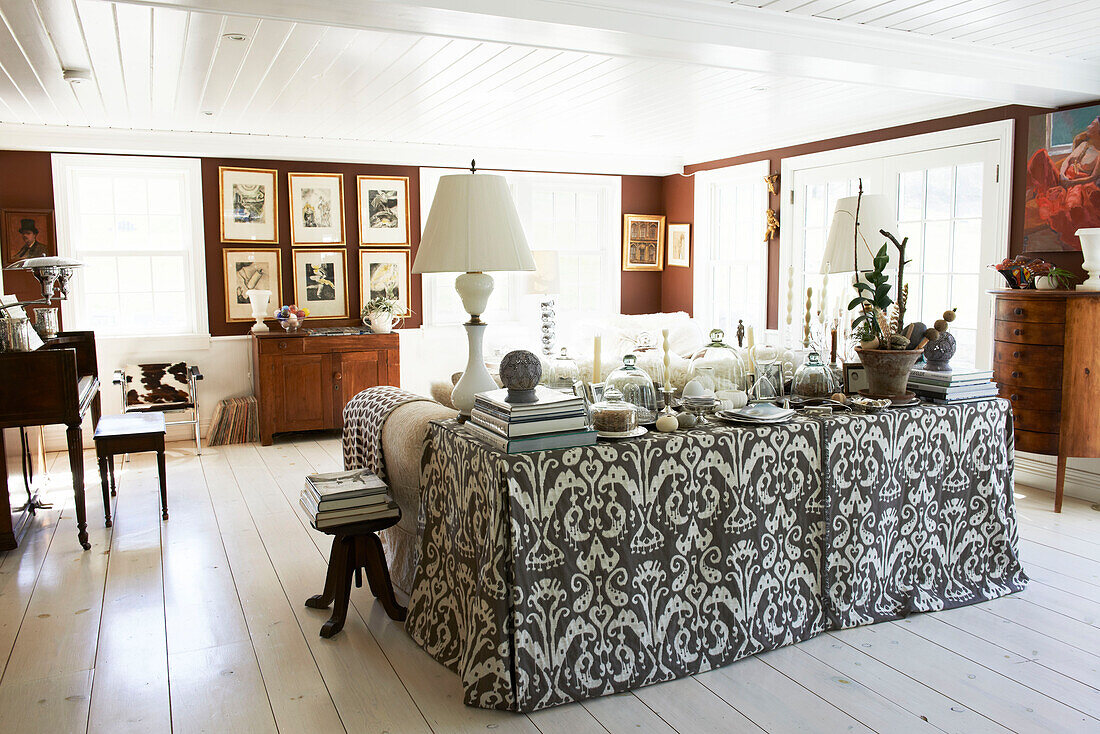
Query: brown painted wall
x=641, y=292
x=676, y=283
x=27, y=183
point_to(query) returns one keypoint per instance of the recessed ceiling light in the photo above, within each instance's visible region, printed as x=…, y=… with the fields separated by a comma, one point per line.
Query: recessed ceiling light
x=234, y=36
x=208, y=113
x=76, y=76
x=760, y=88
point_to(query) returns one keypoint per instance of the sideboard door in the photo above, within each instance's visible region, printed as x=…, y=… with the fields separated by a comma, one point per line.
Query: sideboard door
x=353, y=373
x=303, y=388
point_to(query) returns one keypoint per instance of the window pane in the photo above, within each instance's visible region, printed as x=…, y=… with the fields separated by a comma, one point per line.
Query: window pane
x=939, y=193
x=135, y=274
x=910, y=195
x=95, y=232
x=132, y=232
x=964, y=296
x=99, y=275
x=165, y=196
x=165, y=232
x=967, y=246
x=815, y=205
x=94, y=194
x=968, y=191
x=131, y=195
x=168, y=273
x=937, y=247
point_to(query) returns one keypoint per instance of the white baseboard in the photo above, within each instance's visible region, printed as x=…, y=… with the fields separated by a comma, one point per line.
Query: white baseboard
x=1040, y=471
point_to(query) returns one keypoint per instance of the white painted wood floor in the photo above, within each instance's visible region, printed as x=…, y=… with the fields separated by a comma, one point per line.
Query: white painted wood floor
x=198, y=624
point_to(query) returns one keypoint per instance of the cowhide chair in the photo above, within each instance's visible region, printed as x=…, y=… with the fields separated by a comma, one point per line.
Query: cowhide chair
x=162, y=387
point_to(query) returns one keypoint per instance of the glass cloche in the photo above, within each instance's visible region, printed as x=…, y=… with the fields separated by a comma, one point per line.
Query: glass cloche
x=613, y=414
x=562, y=372
x=636, y=387
x=729, y=369
x=813, y=378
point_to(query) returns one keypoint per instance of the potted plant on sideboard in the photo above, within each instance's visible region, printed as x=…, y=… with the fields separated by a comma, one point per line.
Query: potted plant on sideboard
x=380, y=313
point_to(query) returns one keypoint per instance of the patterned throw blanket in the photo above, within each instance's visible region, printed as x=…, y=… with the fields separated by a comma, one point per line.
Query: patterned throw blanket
x=364, y=416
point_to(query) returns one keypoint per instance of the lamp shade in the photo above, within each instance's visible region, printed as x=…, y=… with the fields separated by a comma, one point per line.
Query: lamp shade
x=875, y=213
x=472, y=227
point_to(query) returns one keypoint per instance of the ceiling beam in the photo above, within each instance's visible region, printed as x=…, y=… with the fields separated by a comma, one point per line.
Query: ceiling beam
x=710, y=34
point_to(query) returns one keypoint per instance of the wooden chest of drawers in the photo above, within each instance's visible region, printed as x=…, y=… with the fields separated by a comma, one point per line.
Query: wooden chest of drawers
x=1045, y=355
x=302, y=383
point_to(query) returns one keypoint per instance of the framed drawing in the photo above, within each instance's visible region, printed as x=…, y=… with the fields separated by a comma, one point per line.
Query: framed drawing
x=855, y=378
x=643, y=242
x=316, y=208
x=383, y=210
x=1063, y=188
x=250, y=205
x=679, y=245
x=385, y=273
x=28, y=233
x=246, y=270
x=321, y=283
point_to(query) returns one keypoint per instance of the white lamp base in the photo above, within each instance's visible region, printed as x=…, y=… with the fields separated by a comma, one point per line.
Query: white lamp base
x=474, y=290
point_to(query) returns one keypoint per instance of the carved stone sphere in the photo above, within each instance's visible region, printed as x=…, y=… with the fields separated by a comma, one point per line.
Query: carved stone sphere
x=938, y=354
x=520, y=372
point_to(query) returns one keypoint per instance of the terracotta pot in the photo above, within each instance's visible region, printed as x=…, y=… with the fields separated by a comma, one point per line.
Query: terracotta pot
x=888, y=370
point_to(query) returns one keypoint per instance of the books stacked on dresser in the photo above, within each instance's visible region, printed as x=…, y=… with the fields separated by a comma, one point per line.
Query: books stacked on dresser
x=346, y=498
x=963, y=385
x=555, y=420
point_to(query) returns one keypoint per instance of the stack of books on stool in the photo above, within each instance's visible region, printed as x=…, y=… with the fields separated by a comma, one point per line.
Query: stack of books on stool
x=957, y=386
x=554, y=421
x=346, y=498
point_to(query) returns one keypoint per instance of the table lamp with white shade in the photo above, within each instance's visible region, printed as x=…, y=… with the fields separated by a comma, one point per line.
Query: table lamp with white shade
x=473, y=228
x=876, y=214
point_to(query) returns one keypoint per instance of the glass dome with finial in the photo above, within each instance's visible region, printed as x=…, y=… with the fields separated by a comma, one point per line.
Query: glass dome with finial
x=813, y=378
x=636, y=388
x=562, y=372
x=729, y=369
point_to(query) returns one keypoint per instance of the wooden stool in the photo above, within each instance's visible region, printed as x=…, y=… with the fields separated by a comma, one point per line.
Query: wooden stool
x=130, y=433
x=354, y=548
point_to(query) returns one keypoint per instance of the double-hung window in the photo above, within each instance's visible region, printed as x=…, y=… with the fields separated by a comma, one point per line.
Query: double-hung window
x=136, y=225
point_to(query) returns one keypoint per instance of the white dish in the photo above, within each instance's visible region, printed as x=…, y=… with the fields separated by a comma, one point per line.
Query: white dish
x=639, y=431
x=762, y=411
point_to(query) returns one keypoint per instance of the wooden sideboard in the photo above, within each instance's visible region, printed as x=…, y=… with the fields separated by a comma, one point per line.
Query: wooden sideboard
x=303, y=382
x=1046, y=359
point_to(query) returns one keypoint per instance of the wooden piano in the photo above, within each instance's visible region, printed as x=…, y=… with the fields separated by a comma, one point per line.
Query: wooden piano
x=57, y=383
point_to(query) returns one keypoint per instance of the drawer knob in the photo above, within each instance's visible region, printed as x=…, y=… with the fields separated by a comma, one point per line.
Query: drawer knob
x=1017, y=332
x=1016, y=354
x=337, y=376
x=1015, y=374
x=1018, y=312
x=282, y=345
x=1014, y=397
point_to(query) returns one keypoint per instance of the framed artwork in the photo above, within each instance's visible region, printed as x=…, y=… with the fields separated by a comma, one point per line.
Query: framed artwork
x=679, y=245
x=28, y=233
x=250, y=205
x=1063, y=188
x=383, y=210
x=855, y=378
x=316, y=208
x=321, y=283
x=385, y=273
x=643, y=242
x=245, y=270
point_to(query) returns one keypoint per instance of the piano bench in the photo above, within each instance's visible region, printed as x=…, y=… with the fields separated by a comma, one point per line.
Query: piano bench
x=129, y=433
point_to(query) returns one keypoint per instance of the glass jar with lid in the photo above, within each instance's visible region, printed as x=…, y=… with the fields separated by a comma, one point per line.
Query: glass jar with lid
x=728, y=367
x=636, y=387
x=813, y=378
x=613, y=414
x=562, y=372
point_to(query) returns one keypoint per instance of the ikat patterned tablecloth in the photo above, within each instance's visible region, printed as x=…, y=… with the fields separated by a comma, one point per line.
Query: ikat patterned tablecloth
x=561, y=575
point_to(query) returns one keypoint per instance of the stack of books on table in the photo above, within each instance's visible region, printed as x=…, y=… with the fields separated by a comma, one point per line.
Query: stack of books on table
x=346, y=498
x=962, y=385
x=555, y=421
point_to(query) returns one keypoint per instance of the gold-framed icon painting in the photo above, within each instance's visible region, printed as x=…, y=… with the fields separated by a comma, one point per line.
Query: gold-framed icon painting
x=385, y=274
x=28, y=233
x=383, y=210
x=316, y=208
x=643, y=242
x=679, y=245
x=250, y=205
x=321, y=282
x=250, y=269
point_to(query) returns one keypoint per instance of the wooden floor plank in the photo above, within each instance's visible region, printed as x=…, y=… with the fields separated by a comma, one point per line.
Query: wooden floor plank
x=130, y=689
x=1071, y=605
x=1080, y=569
x=18, y=577
x=922, y=701
x=991, y=694
x=219, y=689
x=688, y=706
x=624, y=712
x=46, y=705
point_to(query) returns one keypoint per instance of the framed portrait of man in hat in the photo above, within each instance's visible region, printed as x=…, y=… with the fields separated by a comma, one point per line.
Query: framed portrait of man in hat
x=27, y=233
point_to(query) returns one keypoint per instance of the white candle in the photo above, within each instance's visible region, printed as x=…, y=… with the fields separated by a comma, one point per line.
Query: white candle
x=790, y=297
x=596, y=360
x=750, y=342
x=823, y=306
x=668, y=372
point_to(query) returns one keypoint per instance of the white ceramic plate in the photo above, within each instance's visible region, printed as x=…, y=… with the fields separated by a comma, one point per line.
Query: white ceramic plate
x=639, y=431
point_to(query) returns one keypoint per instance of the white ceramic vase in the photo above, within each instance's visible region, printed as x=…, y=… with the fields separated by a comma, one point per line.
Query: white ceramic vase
x=381, y=322
x=1046, y=283
x=259, y=300
x=1090, y=250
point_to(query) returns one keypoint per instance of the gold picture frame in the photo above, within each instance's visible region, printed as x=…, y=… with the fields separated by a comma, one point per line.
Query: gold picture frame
x=249, y=201
x=384, y=214
x=643, y=242
x=235, y=264
x=311, y=288
x=400, y=258
x=679, y=246
x=317, y=209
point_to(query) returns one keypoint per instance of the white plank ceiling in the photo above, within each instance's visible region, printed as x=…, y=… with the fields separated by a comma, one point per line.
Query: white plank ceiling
x=1066, y=28
x=484, y=82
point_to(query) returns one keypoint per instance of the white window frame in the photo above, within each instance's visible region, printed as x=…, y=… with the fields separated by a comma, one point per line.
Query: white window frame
x=707, y=184
x=609, y=216
x=872, y=157
x=198, y=337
